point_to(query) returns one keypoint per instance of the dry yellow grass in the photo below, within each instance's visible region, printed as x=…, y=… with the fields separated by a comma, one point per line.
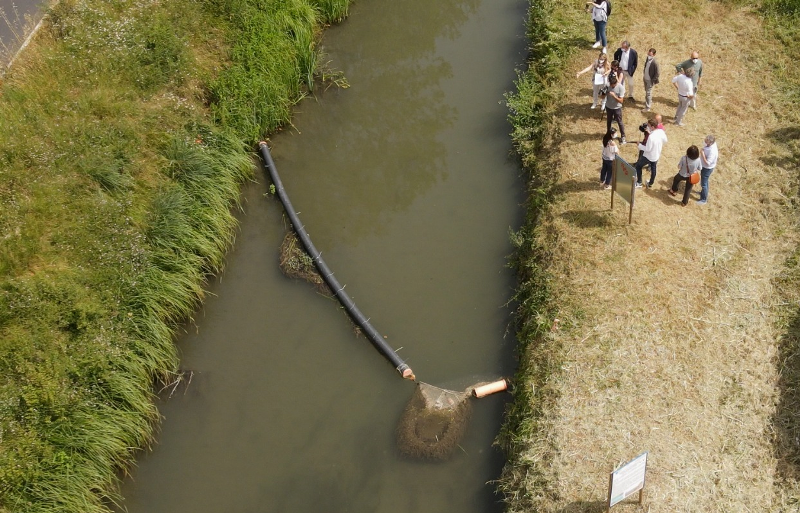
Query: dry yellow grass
x=670, y=345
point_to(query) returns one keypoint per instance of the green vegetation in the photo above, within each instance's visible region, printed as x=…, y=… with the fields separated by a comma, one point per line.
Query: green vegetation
x=783, y=18
x=126, y=129
x=551, y=35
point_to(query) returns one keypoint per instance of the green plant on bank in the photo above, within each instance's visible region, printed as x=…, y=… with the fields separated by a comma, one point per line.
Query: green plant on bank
x=783, y=22
x=552, y=32
x=125, y=139
x=241, y=97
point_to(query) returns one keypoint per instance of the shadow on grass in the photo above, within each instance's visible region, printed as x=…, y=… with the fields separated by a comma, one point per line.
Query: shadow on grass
x=788, y=138
x=659, y=191
x=580, y=186
x=787, y=412
x=786, y=420
x=594, y=507
x=588, y=218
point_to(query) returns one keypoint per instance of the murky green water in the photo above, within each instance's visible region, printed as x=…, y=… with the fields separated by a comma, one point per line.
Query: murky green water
x=405, y=184
x=17, y=19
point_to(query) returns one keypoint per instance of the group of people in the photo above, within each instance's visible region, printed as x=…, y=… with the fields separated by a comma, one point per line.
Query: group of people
x=612, y=84
x=696, y=160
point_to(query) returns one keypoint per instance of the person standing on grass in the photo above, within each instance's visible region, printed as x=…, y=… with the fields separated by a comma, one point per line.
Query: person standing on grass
x=617, y=72
x=600, y=18
x=683, y=83
x=600, y=68
x=610, y=150
x=651, y=73
x=628, y=61
x=709, y=157
x=614, y=101
x=693, y=63
x=689, y=163
x=651, y=152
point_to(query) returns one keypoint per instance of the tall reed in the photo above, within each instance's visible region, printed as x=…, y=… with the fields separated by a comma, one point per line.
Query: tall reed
x=126, y=133
x=332, y=11
x=275, y=40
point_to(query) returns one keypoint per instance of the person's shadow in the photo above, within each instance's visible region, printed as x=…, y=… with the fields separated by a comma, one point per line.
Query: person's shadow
x=601, y=507
x=584, y=507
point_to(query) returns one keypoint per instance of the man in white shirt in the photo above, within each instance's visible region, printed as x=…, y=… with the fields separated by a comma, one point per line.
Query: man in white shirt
x=708, y=156
x=683, y=83
x=696, y=64
x=651, y=152
x=628, y=61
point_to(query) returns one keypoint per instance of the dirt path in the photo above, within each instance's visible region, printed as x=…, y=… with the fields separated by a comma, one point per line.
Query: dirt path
x=674, y=352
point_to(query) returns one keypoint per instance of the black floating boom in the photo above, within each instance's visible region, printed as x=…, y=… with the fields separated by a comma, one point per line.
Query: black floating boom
x=348, y=304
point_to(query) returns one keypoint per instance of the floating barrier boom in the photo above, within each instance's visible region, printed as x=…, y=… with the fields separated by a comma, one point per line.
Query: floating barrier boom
x=348, y=304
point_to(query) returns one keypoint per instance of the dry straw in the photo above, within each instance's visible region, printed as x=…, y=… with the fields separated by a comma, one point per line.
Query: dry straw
x=668, y=325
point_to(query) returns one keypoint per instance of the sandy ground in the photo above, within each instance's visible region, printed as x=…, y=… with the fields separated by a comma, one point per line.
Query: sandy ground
x=674, y=349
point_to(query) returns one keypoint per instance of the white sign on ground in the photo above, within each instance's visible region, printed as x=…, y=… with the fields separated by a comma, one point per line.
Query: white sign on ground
x=627, y=480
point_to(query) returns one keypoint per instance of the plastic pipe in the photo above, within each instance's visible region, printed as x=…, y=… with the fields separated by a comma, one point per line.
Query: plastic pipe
x=490, y=388
x=348, y=304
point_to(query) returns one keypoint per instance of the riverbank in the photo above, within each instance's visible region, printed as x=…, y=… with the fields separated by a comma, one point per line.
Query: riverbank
x=127, y=132
x=675, y=334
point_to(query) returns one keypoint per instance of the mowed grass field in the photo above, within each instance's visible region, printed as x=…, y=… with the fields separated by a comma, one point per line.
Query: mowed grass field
x=675, y=334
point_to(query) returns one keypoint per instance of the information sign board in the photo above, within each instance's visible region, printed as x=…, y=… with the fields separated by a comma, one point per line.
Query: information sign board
x=623, y=182
x=627, y=480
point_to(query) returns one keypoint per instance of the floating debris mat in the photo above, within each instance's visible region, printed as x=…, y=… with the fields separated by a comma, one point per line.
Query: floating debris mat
x=433, y=422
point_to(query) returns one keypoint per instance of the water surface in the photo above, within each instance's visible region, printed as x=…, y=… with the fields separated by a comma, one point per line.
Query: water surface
x=405, y=183
x=17, y=19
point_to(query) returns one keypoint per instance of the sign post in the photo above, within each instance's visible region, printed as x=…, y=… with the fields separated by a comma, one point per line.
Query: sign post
x=623, y=182
x=627, y=480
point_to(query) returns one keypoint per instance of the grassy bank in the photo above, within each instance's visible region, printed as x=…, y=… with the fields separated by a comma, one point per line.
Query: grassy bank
x=611, y=363
x=783, y=22
x=126, y=134
x=552, y=32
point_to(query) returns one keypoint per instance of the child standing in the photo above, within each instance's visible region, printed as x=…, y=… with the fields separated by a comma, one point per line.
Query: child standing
x=610, y=150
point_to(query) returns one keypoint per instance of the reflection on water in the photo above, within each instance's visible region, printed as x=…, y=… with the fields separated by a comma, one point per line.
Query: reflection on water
x=17, y=19
x=404, y=183
x=386, y=131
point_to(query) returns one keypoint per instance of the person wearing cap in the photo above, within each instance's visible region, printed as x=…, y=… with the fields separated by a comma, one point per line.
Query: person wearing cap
x=683, y=83
x=693, y=63
x=614, y=100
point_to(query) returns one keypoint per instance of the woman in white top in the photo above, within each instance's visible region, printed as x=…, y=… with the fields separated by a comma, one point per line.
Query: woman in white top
x=687, y=166
x=600, y=69
x=610, y=150
x=600, y=18
x=709, y=156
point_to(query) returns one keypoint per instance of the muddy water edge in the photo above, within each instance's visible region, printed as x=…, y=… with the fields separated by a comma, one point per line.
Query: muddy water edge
x=405, y=184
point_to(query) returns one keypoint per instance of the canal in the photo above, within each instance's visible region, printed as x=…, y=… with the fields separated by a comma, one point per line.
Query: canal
x=405, y=183
x=17, y=20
